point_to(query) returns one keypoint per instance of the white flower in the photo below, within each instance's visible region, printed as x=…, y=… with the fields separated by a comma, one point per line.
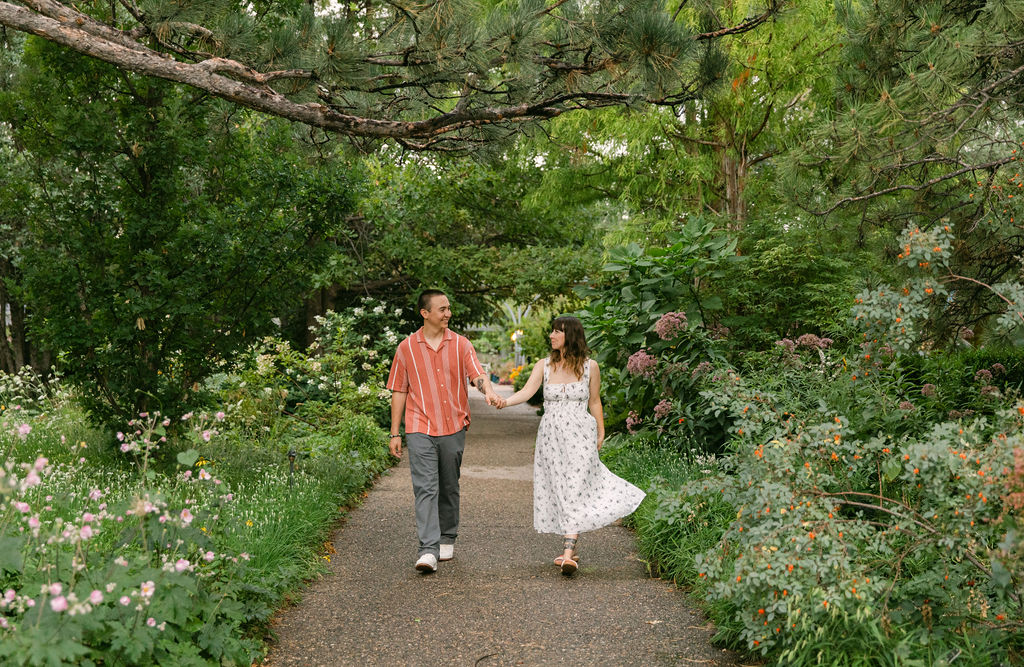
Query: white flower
x=147, y=589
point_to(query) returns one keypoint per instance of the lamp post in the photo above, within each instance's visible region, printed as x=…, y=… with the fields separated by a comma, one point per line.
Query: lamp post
x=517, y=348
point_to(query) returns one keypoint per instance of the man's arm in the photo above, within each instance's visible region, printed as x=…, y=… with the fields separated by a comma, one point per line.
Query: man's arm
x=397, y=413
x=483, y=384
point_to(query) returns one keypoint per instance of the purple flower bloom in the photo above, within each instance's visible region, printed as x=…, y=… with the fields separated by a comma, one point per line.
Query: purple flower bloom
x=632, y=421
x=641, y=363
x=984, y=375
x=906, y=405
x=810, y=340
x=928, y=390
x=701, y=369
x=998, y=369
x=663, y=408
x=670, y=325
x=786, y=344
x=718, y=331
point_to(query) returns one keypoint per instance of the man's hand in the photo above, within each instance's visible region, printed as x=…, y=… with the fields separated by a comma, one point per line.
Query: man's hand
x=495, y=400
x=395, y=445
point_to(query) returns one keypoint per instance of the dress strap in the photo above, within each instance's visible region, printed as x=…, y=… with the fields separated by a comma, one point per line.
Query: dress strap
x=586, y=371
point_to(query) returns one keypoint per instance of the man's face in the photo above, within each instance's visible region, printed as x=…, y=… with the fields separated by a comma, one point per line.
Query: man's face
x=439, y=313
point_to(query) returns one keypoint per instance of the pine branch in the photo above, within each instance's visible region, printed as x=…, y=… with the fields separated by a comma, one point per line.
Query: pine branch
x=773, y=8
x=916, y=188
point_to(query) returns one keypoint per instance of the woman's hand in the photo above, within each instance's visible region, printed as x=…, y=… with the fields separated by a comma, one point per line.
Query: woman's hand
x=600, y=441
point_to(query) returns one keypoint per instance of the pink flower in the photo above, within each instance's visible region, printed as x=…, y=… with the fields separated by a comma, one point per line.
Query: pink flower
x=906, y=405
x=186, y=516
x=203, y=474
x=88, y=517
x=85, y=532
x=95, y=494
x=41, y=463
x=147, y=589
x=207, y=435
x=641, y=363
x=670, y=325
x=22, y=507
x=928, y=390
x=220, y=416
x=151, y=622
x=59, y=603
x=120, y=436
x=125, y=600
x=209, y=556
x=663, y=408
x=181, y=565
x=633, y=421
x=32, y=479
x=24, y=430
x=33, y=522
x=187, y=474
x=56, y=588
x=810, y=340
x=96, y=597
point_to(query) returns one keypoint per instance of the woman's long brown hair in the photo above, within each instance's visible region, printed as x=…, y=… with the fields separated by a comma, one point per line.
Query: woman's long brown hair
x=574, y=351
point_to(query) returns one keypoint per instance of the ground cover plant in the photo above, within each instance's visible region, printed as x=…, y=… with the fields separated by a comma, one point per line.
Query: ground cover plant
x=173, y=540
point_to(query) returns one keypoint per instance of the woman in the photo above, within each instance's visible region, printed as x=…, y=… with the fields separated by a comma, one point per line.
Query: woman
x=573, y=492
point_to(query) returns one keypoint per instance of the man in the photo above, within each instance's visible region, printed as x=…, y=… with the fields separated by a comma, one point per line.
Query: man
x=428, y=385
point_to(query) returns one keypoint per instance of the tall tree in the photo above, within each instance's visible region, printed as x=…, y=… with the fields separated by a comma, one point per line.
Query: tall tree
x=431, y=75
x=715, y=156
x=162, y=230
x=927, y=128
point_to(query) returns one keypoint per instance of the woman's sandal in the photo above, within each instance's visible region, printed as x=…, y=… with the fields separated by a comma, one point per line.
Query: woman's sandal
x=570, y=565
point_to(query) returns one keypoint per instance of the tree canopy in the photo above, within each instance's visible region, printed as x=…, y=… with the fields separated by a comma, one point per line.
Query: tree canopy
x=430, y=75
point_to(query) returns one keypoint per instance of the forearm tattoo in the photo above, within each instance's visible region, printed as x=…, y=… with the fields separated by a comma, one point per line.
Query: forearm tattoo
x=479, y=382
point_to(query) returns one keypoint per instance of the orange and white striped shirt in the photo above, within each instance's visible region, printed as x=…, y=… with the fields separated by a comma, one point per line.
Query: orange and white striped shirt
x=438, y=402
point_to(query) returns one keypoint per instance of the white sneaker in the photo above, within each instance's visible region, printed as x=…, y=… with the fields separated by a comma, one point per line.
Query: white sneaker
x=427, y=563
x=447, y=551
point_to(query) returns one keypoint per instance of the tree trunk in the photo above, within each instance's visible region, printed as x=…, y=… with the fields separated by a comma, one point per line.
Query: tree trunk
x=734, y=173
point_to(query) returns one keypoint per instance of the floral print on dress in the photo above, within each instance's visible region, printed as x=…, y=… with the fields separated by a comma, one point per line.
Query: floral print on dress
x=573, y=492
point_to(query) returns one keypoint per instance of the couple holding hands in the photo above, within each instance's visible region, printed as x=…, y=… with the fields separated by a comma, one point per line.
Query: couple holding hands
x=573, y=492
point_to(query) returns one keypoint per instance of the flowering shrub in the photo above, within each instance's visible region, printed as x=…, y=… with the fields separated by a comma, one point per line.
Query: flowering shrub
x=65, y=599
x=642, y=364
x=324, y=400
x=165, y=552
x=646, y=325
x=670, y=325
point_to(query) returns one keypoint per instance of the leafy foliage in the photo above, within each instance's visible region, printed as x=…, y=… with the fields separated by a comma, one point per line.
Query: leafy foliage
x=163, y=235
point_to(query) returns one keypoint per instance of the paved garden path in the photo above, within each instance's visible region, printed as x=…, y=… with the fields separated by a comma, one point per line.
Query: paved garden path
x=500, y=601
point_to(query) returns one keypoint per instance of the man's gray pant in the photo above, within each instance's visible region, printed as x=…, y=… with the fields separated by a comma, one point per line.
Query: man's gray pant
x=434, y=462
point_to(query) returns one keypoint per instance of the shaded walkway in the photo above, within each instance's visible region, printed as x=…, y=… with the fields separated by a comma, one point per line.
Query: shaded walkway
x=500, y=601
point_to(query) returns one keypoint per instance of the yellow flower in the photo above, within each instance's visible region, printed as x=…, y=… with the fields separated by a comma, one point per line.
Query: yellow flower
x=249, y=522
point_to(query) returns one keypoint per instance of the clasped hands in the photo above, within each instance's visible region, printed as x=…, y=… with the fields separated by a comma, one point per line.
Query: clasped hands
x=496, y=401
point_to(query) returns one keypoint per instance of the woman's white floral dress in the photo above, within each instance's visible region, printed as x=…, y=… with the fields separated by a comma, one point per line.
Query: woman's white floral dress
x=574, y=492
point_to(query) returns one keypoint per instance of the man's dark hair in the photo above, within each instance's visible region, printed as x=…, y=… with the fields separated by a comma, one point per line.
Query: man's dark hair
x=426, y=296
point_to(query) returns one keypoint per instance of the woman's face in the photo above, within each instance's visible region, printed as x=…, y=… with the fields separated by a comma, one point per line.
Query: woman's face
x=557, y=337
